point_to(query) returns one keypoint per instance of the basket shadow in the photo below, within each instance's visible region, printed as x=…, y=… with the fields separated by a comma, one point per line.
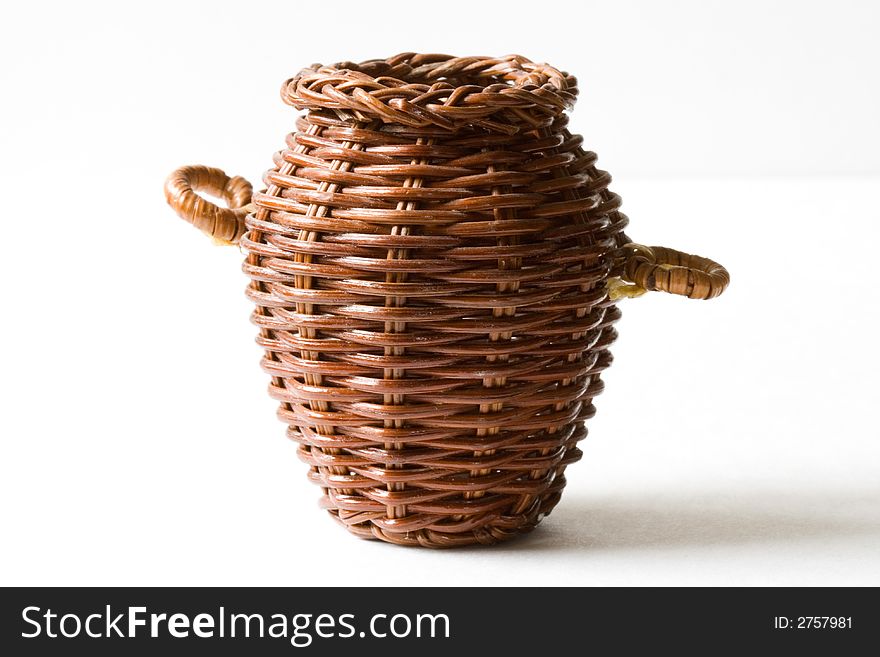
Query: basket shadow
x=650, y=521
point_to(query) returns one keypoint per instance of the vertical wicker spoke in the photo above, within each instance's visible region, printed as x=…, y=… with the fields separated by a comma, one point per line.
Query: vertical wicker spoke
x=398, y=301
x=503, y=288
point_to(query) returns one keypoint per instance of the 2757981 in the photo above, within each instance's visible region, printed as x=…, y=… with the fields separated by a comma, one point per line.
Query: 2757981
x=813, y=622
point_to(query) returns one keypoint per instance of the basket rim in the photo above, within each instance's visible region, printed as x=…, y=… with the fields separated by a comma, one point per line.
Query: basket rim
x=420, y=90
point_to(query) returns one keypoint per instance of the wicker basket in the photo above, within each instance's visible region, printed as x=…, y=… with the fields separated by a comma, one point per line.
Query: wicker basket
x=434, y=265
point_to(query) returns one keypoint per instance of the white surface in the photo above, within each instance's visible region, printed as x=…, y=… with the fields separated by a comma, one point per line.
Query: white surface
x=737, y=442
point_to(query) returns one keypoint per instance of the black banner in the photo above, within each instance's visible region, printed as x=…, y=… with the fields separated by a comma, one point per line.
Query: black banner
x=432, y=621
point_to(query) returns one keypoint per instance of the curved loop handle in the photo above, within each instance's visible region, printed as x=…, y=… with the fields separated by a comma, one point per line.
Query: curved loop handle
x=223, y=224
x=657, y=268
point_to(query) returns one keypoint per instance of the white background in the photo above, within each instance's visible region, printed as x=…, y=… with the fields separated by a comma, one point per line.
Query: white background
x=737, y=442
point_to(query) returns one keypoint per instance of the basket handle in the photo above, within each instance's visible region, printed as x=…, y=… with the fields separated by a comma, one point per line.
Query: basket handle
x=223, y=224
x=657, y=268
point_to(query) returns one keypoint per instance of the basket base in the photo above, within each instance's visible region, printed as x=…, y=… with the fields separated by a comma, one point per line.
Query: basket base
x=491, y=530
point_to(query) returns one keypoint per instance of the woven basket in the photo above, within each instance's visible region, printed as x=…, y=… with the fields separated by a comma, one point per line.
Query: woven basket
x=434, y=264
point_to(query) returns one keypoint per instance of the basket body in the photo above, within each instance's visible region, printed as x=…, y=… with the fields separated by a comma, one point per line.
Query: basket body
x=431, y=299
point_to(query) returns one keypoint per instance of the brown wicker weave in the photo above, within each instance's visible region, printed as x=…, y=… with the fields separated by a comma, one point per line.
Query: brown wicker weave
x=433, y=265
